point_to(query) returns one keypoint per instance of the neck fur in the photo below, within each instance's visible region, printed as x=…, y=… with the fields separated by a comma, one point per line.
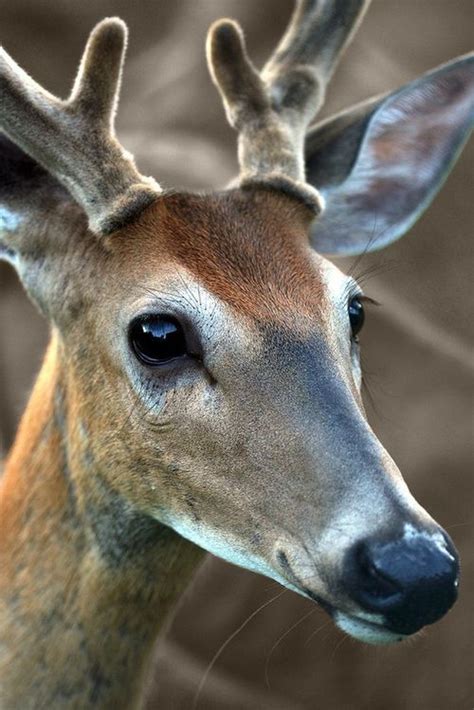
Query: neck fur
x=86, y=581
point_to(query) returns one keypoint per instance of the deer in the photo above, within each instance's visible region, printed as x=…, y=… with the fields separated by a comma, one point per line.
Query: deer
x=201, y=391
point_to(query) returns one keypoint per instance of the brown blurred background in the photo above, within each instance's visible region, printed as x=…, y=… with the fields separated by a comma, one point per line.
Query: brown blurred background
x=417, y=347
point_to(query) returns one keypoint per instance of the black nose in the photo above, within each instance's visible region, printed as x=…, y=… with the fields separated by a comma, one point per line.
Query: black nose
x=411, y=581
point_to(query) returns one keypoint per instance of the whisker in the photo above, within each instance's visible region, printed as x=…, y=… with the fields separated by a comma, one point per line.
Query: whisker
x=367, y=395
x=458, y=525
x=380, y=267
x=337, y=646
x=230, y=638
x=371, y=241
x=316, y=632
x=186, y=287
x=364, y=253
x=279, y=640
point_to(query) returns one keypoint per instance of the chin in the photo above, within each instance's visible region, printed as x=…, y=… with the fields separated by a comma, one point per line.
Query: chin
x=366, y=631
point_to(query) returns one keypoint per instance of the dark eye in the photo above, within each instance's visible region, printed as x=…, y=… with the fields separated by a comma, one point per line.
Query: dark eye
x=356, y=315
x=157, y=339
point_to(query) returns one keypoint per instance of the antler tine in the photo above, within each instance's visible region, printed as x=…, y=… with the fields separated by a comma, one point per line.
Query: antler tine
x=272, y=110
x=74, y=139
x=318, y=32
x=99, y=77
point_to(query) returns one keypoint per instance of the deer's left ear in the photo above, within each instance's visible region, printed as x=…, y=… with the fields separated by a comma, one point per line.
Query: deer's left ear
x=379, y=165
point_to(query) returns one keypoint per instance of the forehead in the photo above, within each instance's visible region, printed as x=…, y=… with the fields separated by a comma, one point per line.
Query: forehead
x=248, y=248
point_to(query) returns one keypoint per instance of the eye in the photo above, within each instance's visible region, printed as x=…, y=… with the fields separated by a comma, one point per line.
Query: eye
x=157, y=339
x=356, y=315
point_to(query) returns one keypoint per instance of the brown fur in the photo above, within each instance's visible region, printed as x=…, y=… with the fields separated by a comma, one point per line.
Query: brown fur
x=248, y=247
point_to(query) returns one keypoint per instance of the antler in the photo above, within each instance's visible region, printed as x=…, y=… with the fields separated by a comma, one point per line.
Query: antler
x=75, y=139
x=272, y=110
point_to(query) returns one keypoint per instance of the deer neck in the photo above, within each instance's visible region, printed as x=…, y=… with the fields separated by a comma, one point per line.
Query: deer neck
x=84, y=587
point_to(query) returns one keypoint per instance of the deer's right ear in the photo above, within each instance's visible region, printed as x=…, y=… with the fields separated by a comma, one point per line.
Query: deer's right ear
x=37, y=218
x=379, y=165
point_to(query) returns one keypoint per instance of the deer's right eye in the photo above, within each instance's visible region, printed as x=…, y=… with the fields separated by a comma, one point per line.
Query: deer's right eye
x=356, y=315
x=157, y=339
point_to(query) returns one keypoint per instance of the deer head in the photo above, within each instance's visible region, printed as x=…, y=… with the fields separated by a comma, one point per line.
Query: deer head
x=208, y=353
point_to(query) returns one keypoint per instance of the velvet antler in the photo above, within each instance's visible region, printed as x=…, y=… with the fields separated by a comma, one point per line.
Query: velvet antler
x=272, y=109
x=75, y=139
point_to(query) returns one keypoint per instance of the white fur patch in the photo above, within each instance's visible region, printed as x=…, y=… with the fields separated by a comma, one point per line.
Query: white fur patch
x=410, y=533
x=337, y=283
x=223, y=546
x=9, y=221
x=364, y=631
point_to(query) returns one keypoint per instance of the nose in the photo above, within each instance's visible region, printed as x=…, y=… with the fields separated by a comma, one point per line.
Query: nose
x=411, y=581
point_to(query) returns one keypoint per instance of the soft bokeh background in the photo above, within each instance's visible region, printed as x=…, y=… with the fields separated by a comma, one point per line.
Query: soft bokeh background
x=417, y=347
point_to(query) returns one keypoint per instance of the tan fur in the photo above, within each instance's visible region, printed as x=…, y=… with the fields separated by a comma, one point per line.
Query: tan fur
x=77, y=630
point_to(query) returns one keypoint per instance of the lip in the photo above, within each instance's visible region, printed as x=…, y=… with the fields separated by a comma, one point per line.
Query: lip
x=367, y=631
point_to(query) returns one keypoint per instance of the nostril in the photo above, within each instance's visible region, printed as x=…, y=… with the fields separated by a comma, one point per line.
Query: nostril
x=373, y=585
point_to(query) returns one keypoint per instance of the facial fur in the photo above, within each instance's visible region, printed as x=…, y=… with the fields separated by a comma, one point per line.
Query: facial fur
x=272, y=403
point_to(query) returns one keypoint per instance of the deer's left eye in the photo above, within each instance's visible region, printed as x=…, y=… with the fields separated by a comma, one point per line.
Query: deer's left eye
x=157, y=339
x=356, y=315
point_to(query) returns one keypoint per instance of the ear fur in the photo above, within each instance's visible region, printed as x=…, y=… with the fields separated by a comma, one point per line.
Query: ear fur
x=380, y=164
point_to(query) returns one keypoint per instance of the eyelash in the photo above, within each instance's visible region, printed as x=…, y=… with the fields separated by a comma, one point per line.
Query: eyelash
x=367, y=299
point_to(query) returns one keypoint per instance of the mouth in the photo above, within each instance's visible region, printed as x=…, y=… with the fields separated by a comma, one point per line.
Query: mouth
x=367, y=630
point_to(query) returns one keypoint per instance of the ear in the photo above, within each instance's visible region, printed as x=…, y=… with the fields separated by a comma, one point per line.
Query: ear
x=379, y=165
x=38, y=222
